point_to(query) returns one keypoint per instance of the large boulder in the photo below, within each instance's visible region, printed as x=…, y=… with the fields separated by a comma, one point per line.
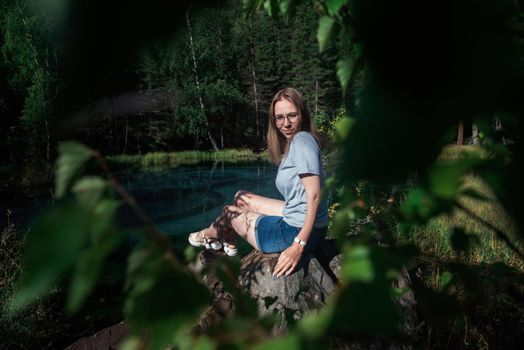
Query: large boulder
x=306, y=289
x=109, y=338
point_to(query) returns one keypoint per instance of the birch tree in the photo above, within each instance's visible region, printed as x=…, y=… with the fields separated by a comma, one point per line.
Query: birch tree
x=197, y=83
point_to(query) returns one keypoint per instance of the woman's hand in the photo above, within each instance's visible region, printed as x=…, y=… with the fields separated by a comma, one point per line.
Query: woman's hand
x=288, y=260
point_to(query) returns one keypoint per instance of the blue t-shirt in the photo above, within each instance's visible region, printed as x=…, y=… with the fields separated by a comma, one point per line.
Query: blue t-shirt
x=303, y=157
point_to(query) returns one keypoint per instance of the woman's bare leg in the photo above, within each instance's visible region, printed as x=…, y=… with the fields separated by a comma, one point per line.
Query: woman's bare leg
x=241, y=221
x=241, y=216
x=244, y=226
x=221, y=226
x=252, y=202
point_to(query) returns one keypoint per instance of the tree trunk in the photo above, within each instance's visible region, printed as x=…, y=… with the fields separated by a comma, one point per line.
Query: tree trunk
x=48, y=139
x=29, y=37
x=474, y=134
x=197, y=82
x=460, y=133
x=125, y=137
x=255, y=98
x=498, y=128
x=316, y=98
x=254, y=75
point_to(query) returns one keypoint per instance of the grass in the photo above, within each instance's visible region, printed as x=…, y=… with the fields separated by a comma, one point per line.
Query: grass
x=37, y=323
x=44, y=323
x=496, y=321
x=434, y=237
x=172, y=159
x=455, y=152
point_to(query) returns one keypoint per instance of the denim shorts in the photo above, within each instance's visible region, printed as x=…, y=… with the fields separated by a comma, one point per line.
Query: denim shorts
x=274, y=235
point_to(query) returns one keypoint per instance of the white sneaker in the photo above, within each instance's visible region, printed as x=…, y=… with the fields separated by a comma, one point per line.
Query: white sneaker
x=197, y=239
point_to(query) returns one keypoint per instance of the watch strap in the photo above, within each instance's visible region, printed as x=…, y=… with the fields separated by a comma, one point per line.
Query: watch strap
x=299, y=241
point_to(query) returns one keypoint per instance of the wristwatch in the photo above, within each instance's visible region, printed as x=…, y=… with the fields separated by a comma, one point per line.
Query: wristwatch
x=299, y=241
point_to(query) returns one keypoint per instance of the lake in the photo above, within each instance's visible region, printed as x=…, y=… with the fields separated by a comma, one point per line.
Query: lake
x=179, y=200
x=188, y=198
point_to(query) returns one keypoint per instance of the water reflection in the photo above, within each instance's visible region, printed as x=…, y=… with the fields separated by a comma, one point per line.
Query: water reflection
x=187, y=198
x=179, y=200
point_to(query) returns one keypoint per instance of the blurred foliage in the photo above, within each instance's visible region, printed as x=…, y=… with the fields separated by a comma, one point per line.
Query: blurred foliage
x=422, y=69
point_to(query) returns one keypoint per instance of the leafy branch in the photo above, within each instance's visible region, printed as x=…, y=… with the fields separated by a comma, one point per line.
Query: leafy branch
x=150, y=229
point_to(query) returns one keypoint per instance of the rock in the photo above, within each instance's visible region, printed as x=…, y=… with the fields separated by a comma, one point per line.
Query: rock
x=106, y=339
x=407, y=304
x=307, y=289
x=222, y=304
x=304, y=290
x=330, y=259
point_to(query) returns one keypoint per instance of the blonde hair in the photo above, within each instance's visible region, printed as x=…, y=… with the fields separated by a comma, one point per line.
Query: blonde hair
x=277, y=144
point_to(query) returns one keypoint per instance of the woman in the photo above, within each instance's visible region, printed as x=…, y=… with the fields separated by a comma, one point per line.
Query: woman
x=297, y=224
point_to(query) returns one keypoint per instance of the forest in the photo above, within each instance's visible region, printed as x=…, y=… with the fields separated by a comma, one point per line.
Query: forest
x=96, y=94
x=204, y=86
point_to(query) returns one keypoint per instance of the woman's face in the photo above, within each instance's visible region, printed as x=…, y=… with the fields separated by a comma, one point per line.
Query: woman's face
x=287, y=118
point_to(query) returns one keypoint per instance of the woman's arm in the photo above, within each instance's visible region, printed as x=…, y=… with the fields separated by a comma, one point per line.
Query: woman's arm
x=290, y=257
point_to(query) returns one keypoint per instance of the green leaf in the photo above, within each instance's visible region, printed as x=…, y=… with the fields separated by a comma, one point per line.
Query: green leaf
x=330, y=182
x=286, y=7
x=343, y=127
x=132, y=343
x=72, y=156
x=334, y=5
x=420, y=206
x=248, y=5
x=445, y=279
x=140, y=267
x=446, y=180
x=204, y=343
x=340, y=225
x=365, y=301
x=271, y=7
x=89, y=189
x=162, y=300
x=190, y=253
x=366, y=308
x=357, y=48
x=328, y=29
x=314, y=325
x=88, y=268
x=52, y=248
x=345, y=68
x=288, y=342
x=357, y=265
x=173, y=301
x=104, y=214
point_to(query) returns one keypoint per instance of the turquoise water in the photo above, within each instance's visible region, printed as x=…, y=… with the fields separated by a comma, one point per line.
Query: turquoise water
x=187, y=198
x=178, y=200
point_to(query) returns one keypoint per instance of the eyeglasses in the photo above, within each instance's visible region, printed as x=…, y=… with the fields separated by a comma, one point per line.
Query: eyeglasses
x=292, y=117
